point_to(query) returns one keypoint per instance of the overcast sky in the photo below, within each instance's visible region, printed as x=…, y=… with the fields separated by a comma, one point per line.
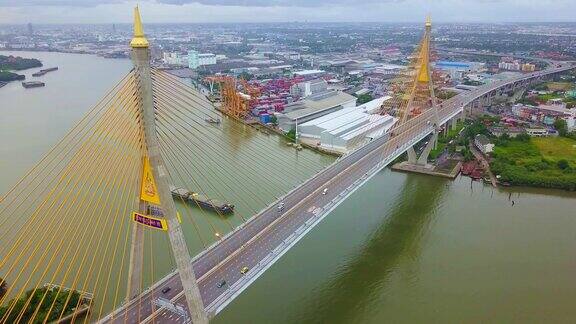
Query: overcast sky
x=163, y=11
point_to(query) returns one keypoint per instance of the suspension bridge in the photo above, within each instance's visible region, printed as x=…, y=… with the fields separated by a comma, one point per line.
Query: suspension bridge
x=87, y=216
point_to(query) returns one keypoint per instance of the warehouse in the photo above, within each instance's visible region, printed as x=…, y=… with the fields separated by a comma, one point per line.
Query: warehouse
x=347, y=128
x=312, y=107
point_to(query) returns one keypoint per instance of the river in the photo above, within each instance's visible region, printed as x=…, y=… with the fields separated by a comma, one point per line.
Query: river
x=403, y=248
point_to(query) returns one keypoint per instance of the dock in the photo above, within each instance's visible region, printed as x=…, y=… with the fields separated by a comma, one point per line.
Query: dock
x=428, y=169
x=484, y=163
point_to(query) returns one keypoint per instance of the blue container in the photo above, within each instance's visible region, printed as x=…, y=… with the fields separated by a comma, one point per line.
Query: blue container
x=265, y=118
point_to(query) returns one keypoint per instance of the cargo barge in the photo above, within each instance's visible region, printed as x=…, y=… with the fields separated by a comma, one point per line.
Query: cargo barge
x=202, y=201
x=33, y=84
x=44, y=71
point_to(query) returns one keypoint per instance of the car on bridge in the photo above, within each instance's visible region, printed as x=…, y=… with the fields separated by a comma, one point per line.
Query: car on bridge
x=244, y=270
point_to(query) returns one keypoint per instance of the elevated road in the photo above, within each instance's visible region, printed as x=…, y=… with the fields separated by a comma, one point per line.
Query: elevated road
x=493, y=54
x=262, y=240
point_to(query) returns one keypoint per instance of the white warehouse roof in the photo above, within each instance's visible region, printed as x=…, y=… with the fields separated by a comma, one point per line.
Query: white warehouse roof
x=346, y=116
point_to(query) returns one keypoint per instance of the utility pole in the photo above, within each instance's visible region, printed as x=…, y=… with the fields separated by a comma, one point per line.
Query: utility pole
x=296, y=132
x=159, y=184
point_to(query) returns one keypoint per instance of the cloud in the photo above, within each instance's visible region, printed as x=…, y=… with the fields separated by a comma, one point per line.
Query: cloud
x=56, y=3
x=236, y=3
x=276, y=3
x=185, y=11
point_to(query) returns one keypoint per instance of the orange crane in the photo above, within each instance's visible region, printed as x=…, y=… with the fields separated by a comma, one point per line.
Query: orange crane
x=234, y=104
x=253, y=91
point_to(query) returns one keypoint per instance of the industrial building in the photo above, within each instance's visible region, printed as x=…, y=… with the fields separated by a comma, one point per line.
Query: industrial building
x=345, y=129
x=308, y=88
x=309, y=74
x=457, y=70
x=195, y=59
x=312, y=107
x=173, y=58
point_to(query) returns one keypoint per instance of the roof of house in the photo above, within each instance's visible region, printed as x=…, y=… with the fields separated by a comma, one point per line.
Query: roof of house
x=482, y=139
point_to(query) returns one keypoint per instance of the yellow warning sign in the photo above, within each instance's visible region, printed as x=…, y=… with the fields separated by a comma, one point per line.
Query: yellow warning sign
x=149, y=191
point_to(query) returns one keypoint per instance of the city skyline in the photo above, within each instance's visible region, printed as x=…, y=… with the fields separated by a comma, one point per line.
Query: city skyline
x=225, y=11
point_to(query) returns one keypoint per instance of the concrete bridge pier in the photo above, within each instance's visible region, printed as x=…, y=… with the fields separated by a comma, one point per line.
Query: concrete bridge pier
x=453, y=122
x=422, y=160
x=487, y=100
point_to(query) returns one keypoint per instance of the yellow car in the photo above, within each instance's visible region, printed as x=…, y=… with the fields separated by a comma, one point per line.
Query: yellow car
x=244, y=270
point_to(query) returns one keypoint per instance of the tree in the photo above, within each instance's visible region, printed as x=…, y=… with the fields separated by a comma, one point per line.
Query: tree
x=364, y=98
x=522, y=137
x=561, y=126
x=292, y=135
x=563, y=164
x=274, y=120
x=246, y=76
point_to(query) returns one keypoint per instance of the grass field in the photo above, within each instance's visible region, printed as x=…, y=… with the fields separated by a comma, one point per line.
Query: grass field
x=556, y=148
x=546, y=97
x=539, y=162
x=559, y=86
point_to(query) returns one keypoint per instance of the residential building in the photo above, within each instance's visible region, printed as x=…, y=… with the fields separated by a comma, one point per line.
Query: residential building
x=537, y=132
x=528, y=67
x=510, y=66
x=483, y=144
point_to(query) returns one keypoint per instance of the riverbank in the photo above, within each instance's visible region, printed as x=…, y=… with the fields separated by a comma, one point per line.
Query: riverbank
x=10, y=63
x=6, y=76
x=18, y=63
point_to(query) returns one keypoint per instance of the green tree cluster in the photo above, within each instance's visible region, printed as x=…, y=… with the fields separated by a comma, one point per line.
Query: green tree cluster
x=561, y=126
x=364, y=98
x=9, y=76
x=291, y=135
x=17, y=63
x=49, y=306
x=274, y=120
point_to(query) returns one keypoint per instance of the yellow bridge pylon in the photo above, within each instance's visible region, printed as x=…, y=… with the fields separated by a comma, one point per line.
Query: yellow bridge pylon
x=413, y=90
